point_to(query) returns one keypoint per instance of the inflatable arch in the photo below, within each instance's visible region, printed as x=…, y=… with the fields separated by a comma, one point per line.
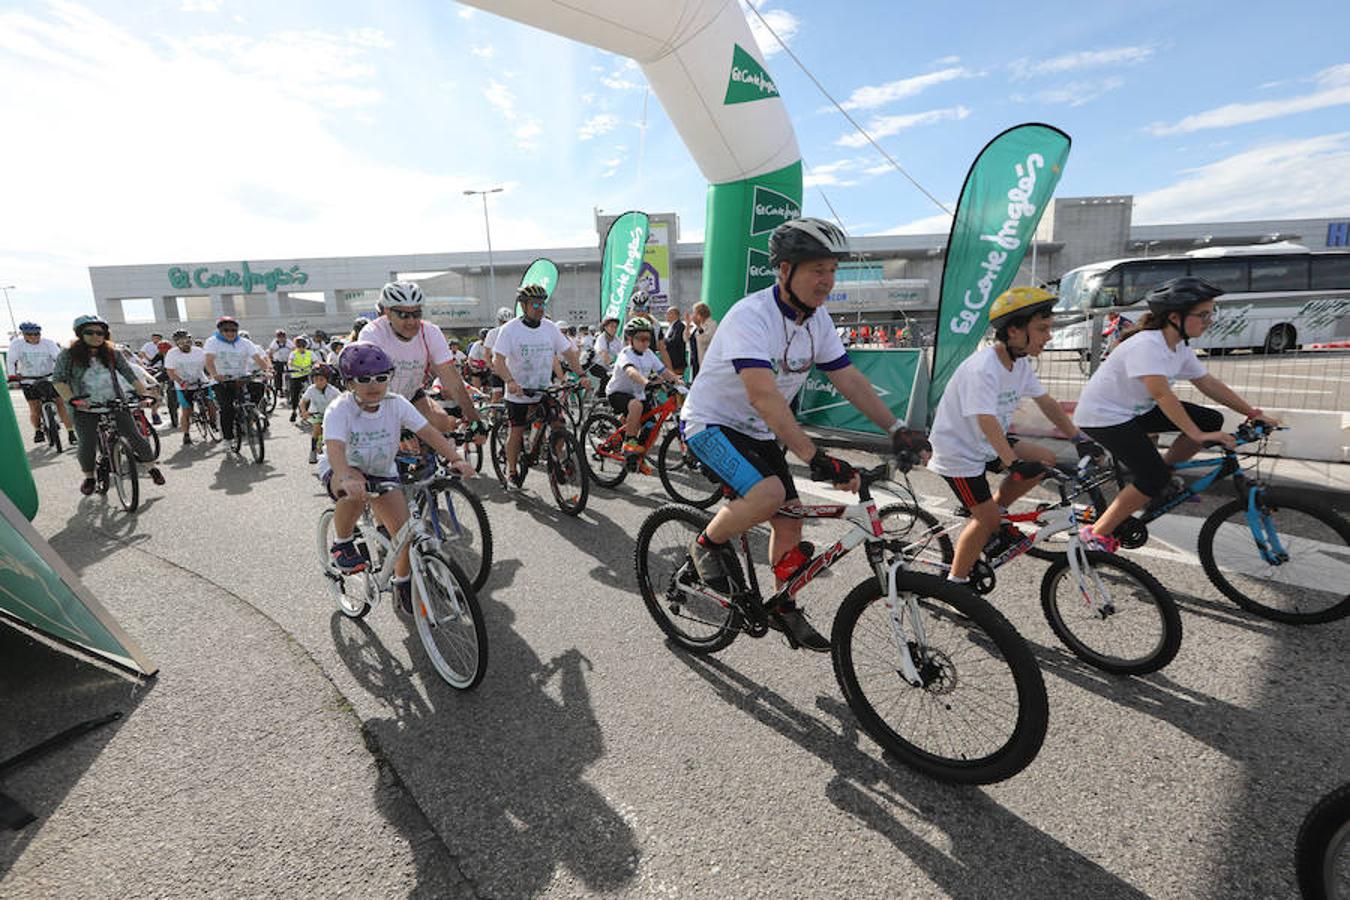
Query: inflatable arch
x=704, y=66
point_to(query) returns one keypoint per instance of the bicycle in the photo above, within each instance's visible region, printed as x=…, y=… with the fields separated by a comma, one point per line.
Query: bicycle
x=1278, y=556
x=468, y=448
x=1322, y=850
x=1108, y=610
x=457, y=516
x=268, y=403
x=146, y=429
x=204, y=414
x=49, y=416
x=568, y=478
x=909, y=649
x=445, y=608
x=114, y=460
x=248, y=419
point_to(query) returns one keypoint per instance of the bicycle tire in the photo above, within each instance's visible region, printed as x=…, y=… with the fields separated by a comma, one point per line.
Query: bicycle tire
x=122, y=469
x=240, y=414
x=149, y=433
x=268, y=403
x=53, y=424
x=446, y=610
x=682, y=481
x=900, y=522
x=469, y=544
x=568, y=478
x=253, y=430
x=973, y=625
x=350, y=593
x=1157, y=652
x=1237, y=585
x=717, y=619
x=599, y=437
x=497, y=447
x=1322, y=849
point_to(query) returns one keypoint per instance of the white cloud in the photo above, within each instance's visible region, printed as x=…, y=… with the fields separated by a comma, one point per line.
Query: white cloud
x=885, y=126
x=499, y=96
x=611, y=167
x=872, y=96
x=784, y=24
x=941, y=223
x=209, y=6
x=467, y=12
x=947, y=61
x=1335, y=82
x=831, y=174
x=1075, y=93
x=483, y=51
x=1027, y=68
x=527, y=131
x=597, y=125
x=1302, y=178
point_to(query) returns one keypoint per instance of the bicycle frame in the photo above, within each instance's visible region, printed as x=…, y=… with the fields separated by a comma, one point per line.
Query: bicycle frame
x=660, y=413
x=414, y=531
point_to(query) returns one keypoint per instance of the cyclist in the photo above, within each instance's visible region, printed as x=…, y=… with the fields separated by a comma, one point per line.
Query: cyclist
x=150, y=347
x=314, y=402
x=640, y=304
x=478, y=361
x=1130, y=397
x=30, y=362
x=279, y=351
x=298, y=366
x=186, y=367
x=969, y=434
x=355, y=335
x=361, y=440
x=504, y=315
x=457, y=356
x=636, y=367
x=737, y=410
x=419, y=351
x=523, y=356
x=86, y=375
x=230, y=357
x=607, y=347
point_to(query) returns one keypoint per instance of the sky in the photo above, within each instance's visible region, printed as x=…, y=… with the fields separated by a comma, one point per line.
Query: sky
x=177, y=131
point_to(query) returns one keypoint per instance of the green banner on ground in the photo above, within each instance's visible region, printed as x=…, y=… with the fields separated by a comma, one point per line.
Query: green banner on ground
x=16, y=478
x=898, y=376
x=621, y=262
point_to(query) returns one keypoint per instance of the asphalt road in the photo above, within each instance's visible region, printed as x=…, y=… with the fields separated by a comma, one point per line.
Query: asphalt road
x=595, y=759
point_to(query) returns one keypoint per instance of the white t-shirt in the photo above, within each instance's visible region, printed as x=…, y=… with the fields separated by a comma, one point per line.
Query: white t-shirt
x=232, y=360
x=491, y=338
x=605, y=344
x=1115, y=393
x=478, y=352
x=529, y=354
x=280, y=352
x=149, y=349
x=371, y=437
x=190, y=366
x=32, y=360
x=757, y=332
x=457, y=356
x=318, y=400
x=647, y=363
x=411, y=358
x=979, y=385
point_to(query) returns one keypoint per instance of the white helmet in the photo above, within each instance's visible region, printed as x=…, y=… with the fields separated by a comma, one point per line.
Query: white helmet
x=505, y=315
x=400, y=293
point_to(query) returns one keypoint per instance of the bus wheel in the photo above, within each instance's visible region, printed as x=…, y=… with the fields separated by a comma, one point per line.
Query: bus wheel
x=1280, y=339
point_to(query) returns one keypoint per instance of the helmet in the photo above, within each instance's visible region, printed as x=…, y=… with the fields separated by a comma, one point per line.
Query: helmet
x=532, y=292
x=302, y=341
x=182, y=333
x=363, y=358
x=164, y=346
x=321, y=369
x=640, y=299
x=400, y=293
x=799, y=240
x=281, y=332
x=89, y=320
x=1180, y=294
x=452, y=342
x=505, y=315
x=1020, y=303
x=334, y=344
x=227, y=320
x=607, y=319
x=483, y=332
x=29, y=328
x=361, y=322
x=637, y=324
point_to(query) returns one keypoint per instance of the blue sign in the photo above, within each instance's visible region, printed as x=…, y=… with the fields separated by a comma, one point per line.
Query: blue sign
x=1338, y=234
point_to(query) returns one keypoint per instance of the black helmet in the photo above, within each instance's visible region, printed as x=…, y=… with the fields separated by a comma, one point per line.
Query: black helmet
x=1180, y=294
x=799, y=240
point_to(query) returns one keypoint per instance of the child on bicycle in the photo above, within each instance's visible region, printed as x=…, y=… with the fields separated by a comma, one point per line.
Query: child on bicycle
x=636, y=366
x=361, y=440
x=969, y=435
x=1130, y=398
x=314, y=403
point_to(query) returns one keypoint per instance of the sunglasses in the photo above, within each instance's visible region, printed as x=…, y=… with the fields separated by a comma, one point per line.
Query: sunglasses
x=229, y=330
x=810, y=361
x=371, y=379
x=90, y=332
x=405, y=313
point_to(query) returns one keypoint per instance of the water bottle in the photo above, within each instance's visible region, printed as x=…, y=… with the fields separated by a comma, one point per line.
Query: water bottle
x=788, y=567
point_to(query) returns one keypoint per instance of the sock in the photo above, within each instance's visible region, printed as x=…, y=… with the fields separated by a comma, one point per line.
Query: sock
x=339, y=539
x=955, y=580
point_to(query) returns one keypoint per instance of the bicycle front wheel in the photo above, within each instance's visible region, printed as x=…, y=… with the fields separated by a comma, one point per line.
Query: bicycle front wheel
x=683, y=475
x=979, y=712
x=602, y=440
x=691, y=615
x=1118, y=619
x=269, y=399
x=465, y=533
x=449, y=620
x=53, y=425
x=497, y=448
x=915, y=529
x=149, y=433
x=1307, y=584
x=567, y=475
x=351, y=593
x=122, y=466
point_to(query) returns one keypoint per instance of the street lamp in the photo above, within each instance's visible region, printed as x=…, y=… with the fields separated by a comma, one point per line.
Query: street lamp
x=492, y=270
x=12, y=324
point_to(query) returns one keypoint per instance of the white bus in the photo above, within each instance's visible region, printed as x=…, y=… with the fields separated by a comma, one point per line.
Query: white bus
x=1277, y=297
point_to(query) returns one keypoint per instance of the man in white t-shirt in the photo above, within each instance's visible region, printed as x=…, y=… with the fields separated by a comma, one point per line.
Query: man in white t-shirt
x=150, y=348
x=229, y=359
x=969, y=433
x=504, y=315
x=737, y=410
x=523, y=357
x=419, y=351
x=31, y=362
x=185, y=365
x=279, y=351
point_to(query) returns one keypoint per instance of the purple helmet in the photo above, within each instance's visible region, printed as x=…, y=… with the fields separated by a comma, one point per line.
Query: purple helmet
x=363, y=358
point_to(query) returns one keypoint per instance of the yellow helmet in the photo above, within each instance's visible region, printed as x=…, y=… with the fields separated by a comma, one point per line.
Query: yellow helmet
x=1021, y=302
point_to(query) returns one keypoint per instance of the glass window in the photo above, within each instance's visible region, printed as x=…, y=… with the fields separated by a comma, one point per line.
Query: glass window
x=1140, y=278
x=1228, y=274
x=1280, y=274
x=1331, y=272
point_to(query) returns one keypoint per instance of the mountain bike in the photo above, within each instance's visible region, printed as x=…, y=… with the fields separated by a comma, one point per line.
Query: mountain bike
x=114, y=460
x=248, y=419
x=456, y=515
x=445, y=607
x=1322, y=850
x=49, y=416
x=1108, y=610
x=567, y=476
x=146, y=429
x=204, y=414
x=935, y=675
x=468, y=448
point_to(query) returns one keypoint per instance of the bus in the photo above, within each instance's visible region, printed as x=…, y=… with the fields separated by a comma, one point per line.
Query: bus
x=1277, y=297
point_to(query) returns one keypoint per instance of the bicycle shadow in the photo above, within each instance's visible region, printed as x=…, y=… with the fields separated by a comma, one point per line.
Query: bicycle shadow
x=595, y=535
x=982, y=836
x=1224, y=613
x=236, y=475
x=96, y=529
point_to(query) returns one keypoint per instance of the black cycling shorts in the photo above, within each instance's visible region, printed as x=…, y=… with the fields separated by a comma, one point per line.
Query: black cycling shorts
x=618, y=401
x=39, y=390
x=519, y=413
x=1130, y=444
x=970, y=491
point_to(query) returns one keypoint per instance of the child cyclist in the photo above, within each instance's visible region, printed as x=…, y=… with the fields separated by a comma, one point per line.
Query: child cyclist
x=361, y=440
x=636, y=366
x=1130, y=398
x=314, y=402
x=969, y=435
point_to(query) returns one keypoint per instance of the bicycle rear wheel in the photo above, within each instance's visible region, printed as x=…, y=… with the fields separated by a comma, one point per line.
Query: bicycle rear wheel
x=979, y=714
x=352, y=593
x=1322, y=851
x=683, y=475
x=52, y=423
x=253, y=430
x=602, y=439
x=1307, y=586
x=148, y=432
x=691, y=615
x=269, y=399
x=567, y=475
x=449, y=620
x=1135, y=627
x=464, y=531
x=122, y=468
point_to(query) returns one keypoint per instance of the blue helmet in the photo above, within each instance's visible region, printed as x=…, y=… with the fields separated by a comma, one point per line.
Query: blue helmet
x=29, y=328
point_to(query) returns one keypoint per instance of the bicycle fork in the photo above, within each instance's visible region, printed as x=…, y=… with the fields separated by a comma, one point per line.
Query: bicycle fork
x=1263, y=531
x=1090, y=585
x=906, y=648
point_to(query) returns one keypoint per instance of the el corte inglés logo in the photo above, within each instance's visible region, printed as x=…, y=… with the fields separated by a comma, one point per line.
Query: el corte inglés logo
x=759, y=273
x=749, y=81
x=771, y=209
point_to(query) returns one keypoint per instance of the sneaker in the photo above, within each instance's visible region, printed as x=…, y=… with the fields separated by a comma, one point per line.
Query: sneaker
x=346, y=558
x=1008, y=535
x=403, y=591
x=39, y=437
x=710, y=564
x=155, y=419
x=313, y=457
x=87, y=486
x=292, y=416
x=1094, y=541
x=156, y=475
x=72, y=438
x=187, y=440
x=787, y=618
x=632, y=455
x=518, y=478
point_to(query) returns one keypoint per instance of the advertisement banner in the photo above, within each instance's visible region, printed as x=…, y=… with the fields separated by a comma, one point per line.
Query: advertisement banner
x=655, y=275
x=1006, y=191
x=543, y=271
x=898, y=376
x=741, y=216
x=621, y=262
x=16, y=477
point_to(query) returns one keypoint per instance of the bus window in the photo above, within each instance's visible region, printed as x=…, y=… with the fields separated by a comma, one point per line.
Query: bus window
x=1229, y=275
x=1279, y=274
x=1141, y=278
x=1331, y=273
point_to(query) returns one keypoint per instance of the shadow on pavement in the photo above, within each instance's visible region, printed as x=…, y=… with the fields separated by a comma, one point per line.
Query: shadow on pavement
x=239, y=475
x=99, y=527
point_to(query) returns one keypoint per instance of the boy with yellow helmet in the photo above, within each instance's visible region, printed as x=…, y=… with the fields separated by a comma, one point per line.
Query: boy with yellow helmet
x=969, y=435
